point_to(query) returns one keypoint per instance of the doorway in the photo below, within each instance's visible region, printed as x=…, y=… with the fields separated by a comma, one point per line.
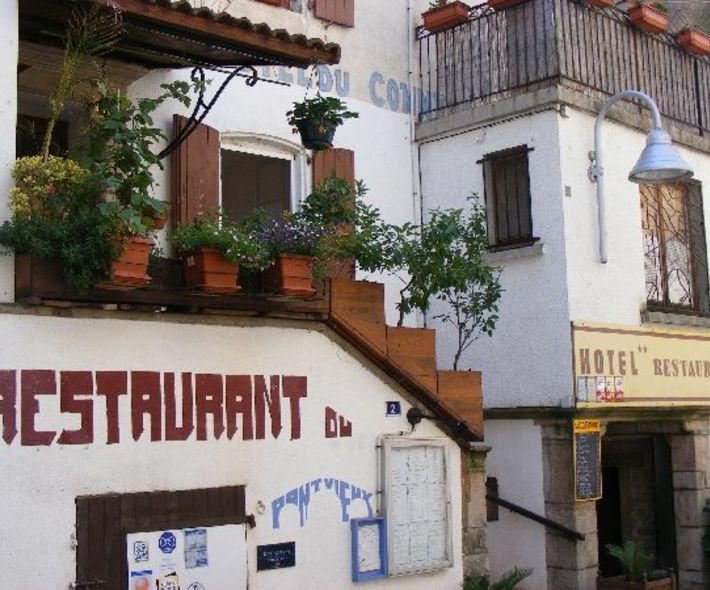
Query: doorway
x=637, y=500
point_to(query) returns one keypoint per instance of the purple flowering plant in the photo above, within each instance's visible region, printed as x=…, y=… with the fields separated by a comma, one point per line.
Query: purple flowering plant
x=292, y=233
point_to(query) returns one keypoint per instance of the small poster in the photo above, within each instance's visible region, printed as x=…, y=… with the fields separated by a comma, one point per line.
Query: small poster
x=587, y=460
x=141, y=580
x=196, y=548
x=369, y=548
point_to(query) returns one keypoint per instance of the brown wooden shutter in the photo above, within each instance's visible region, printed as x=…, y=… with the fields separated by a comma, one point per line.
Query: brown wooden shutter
x=335, y=160
x=342, y=163
x=341, y=12
x=195, y=172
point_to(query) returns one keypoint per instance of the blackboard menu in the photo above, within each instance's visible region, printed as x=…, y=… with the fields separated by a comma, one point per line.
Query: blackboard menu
x=587, y=460
x=276, y=556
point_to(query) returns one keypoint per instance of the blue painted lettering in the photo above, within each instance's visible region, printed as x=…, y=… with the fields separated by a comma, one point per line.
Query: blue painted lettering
x=325, y=79
x=392, y=95
x=300, y=497
x=285, y=75
x=375, y=80
x=303, y=79
x=406, y=98
x=342, y=83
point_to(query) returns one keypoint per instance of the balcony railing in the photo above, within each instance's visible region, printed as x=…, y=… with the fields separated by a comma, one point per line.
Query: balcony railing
x=540, y=43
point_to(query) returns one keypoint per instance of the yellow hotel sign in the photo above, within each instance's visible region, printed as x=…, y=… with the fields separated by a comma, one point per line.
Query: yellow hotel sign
x=640, y=366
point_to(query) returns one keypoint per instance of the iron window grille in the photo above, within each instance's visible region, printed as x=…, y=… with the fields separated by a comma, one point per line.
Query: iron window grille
x=675, y=252
x=507, y=189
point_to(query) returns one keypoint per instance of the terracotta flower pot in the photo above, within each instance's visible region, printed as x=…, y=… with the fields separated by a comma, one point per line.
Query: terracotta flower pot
x=599, y=3
x=694, y=41
x=291, y=274
x=503, y=4
x=648, y=19
x=130, y=269
x=620, y=583
x=445, y=17
x=208, y=271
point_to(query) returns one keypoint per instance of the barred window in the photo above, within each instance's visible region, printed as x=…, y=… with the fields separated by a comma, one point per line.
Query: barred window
x=507, y=187
x=675, y=253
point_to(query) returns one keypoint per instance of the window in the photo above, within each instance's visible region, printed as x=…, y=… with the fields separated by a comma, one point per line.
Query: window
x=417, y=503
x=341, y=12
x=507, y=187
x=675, y=253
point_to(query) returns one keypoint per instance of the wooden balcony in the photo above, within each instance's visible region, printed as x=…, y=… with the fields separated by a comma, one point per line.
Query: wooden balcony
x=541, y=43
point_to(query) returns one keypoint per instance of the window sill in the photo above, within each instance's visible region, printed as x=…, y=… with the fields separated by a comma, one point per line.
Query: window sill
x=524, y=250
x=685, y=319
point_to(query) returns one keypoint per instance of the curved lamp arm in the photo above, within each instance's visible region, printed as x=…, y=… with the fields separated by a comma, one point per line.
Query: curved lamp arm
x=596, y=171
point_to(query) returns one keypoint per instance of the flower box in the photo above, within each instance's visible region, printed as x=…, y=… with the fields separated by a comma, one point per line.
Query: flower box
x=503, y=4
x=599, y=3
x=648, y=19
x=291, y=274
x=130, y=269
x=694, y=41
x=208, y=271
x=445, y=17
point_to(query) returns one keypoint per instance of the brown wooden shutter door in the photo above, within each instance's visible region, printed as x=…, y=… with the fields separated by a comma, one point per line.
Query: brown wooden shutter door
x=195, y=172
x=335, y=160
x=340, y=162
x=341, y=12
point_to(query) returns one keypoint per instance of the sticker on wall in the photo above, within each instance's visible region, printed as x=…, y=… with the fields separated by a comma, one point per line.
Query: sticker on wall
x=393, y=409
x=140, y=551
x=141, y=580
x=169, y=582
x=196, y=548
x=196, y=586
x=167, y=542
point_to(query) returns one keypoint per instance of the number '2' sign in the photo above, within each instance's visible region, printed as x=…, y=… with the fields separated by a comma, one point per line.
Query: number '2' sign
x=394, y=409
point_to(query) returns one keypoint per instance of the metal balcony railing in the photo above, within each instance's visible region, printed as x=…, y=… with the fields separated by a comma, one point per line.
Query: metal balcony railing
x=540, y=43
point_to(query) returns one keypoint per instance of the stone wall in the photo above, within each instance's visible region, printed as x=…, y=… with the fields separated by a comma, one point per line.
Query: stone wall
x=473, y=526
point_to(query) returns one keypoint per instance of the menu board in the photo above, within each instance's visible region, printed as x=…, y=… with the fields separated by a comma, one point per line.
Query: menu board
x=587, y=460
x=199, y=558
x=417, y=508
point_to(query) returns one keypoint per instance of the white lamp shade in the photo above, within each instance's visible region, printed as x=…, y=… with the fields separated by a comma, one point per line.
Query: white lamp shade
x=660, y=161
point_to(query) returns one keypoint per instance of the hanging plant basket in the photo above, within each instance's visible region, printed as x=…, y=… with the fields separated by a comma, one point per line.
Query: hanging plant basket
x=317, y=134
x=694, y=41
x=503, y=4
x=291, y=274
x=207, y=270
x=599, y=3
x=648, y=19
x=445, y=17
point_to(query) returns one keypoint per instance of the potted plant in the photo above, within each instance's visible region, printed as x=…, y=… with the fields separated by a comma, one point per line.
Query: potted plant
x=634, y=563
x=599, y=3
x=212, y=249
x=316, y=119
x=508, y=581
x=503, y=4
x=444, y=14
x=55, y=223
x=293, y=243
x=651, y=18
x=694, y=41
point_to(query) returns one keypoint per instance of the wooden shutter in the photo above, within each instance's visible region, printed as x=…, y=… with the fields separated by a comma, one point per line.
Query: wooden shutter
x=102, y=522
x=341, y=12
x=195, y=172
x=340, y=162
x=335, y=160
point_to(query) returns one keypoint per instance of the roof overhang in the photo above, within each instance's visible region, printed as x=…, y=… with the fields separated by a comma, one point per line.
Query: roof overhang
x=165, y=34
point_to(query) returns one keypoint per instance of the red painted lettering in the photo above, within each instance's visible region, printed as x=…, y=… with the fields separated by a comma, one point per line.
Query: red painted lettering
x=8, y=405
x=172, y=430
x=145, y=399
x=208, y=400
x=238, y=393
x=112, y=385
x=74, y=385
x=331, y=423
x=34, y=383
x=295, y=389
x=264, y=397
x=345, y=427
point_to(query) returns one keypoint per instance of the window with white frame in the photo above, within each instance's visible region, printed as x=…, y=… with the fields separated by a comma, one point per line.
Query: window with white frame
x=417, y=501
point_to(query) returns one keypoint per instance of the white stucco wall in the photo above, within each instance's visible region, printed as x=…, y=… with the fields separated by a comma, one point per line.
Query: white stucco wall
x=39, y=484
x=516, y=461
x=526, y=361
x=8, y=114
x=619, y=284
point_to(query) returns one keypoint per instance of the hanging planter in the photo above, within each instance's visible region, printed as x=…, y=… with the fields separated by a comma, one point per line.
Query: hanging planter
x=694, y=41
x=503, y=4
x=316, y=119
x=649, y=19
x=444, y=15
x=207, y=270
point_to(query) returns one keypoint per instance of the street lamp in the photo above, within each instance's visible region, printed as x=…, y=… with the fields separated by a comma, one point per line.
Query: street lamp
x=659, y=162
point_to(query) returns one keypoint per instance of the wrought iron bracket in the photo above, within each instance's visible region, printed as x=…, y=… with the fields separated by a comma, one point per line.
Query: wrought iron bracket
x=203, y=107
x=415, y=416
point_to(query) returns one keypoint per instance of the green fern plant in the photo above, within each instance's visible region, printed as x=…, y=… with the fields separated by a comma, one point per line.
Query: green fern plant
x=509, y=580
x=633, y=560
